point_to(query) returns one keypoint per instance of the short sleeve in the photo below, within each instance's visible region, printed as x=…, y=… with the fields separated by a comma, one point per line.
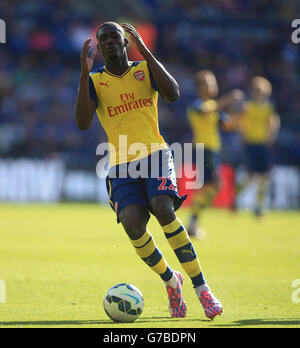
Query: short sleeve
x=93, y=94
x=197, y=105
x=224, y=117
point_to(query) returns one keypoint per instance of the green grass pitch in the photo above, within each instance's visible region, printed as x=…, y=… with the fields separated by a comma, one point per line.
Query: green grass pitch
x=58, y=261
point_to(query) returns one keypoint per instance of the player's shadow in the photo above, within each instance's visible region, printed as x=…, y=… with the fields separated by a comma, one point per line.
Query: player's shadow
x=238, y=323
x=93, y=322
x=263, y=322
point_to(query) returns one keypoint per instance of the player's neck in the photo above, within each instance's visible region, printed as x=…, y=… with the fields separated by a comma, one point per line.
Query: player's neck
x=204, y=97
x=259, y=100
x=117, y=66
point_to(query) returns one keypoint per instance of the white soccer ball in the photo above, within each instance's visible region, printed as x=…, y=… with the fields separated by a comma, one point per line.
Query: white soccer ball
x=123, y=303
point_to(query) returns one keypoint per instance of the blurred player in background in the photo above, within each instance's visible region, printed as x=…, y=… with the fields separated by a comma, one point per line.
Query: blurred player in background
x=124, y=94
x=259, y=126
x=206, y=116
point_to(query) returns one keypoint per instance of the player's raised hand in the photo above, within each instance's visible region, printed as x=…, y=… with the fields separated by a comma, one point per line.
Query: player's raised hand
x=86, y=60
x=135, y=37
x=237, y=95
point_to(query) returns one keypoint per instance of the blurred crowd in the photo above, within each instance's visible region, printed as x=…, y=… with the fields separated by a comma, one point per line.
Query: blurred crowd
x=40, y=67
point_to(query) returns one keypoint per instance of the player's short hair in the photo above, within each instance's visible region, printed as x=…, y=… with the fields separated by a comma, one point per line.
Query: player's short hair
x=200, y=75
x=264, y=84
x=109, y=23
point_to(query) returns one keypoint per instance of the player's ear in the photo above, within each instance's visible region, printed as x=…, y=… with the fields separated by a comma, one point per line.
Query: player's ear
x=126, y=42
x=98, y=47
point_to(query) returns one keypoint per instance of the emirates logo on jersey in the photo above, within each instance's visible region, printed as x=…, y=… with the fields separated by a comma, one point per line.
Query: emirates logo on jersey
x=139, y=75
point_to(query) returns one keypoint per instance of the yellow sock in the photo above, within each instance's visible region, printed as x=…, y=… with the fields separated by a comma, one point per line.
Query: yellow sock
x=183, y=248
x=147, y=250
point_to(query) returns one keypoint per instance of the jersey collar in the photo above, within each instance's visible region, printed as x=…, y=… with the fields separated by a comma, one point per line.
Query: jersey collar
x=126, y=71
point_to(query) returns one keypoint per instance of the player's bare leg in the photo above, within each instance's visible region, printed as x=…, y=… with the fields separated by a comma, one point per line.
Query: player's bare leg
x=261, y=193
x=201, y=200
x=241, y=186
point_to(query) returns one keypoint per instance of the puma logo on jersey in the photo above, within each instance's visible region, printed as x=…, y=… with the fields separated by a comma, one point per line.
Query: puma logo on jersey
x=104, y=84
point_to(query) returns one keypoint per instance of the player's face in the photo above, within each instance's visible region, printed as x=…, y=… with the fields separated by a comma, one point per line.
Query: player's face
x=258, y=92
x=111, y=42
x=207, y=86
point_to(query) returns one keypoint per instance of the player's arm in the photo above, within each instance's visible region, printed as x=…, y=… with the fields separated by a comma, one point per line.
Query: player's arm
x=274, y=127
x=167, y=85
x=223, y=102
x=231, y=118
x=85, y=107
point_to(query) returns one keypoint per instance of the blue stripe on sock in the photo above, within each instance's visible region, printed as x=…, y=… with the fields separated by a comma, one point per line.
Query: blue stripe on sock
x=154, y=258
x=167, y=275
x=185, y=253
x=150, y=238
x=169, y=235
x=198, y=280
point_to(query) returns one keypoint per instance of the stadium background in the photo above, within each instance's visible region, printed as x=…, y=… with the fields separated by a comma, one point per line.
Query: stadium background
x=45, y=158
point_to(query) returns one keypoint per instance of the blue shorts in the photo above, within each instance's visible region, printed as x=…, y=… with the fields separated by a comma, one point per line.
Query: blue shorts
x=258, y=158
x=212, y=161
x=154, y=175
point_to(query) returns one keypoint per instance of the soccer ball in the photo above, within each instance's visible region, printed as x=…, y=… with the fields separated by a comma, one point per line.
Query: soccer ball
x=123, y=303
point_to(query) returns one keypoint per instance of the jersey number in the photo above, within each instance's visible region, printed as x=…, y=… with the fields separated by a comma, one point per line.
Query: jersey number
x=163, y=187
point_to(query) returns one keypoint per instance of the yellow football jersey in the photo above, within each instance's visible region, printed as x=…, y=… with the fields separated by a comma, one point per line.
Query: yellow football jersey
x=255, y=122
x=205, y=126
x=127, y=107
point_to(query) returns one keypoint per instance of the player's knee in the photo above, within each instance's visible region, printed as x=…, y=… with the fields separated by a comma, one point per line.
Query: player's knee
x=134, y=232
x=164, y=212
x=134, y=225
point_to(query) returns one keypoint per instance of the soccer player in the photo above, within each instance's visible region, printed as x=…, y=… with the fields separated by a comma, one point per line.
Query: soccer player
x=124, y=94
x=205, y=116
x=259, y=126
